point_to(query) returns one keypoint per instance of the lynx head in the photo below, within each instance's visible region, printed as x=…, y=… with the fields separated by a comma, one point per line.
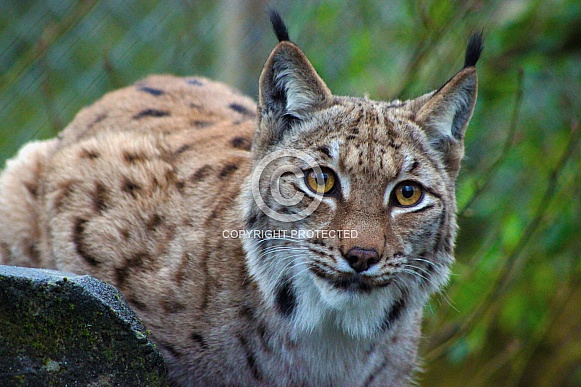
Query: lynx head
x=350, y=209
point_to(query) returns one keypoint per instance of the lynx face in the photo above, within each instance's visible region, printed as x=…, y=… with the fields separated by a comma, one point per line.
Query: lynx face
x=359, y=196
x=382, y=234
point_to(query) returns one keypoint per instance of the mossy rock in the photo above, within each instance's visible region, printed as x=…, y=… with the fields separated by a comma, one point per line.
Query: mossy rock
x=61, y=329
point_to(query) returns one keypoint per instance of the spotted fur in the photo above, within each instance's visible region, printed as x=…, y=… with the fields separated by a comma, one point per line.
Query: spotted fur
x=141, y=187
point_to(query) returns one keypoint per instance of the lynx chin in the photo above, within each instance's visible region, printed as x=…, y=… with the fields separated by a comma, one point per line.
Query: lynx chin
x=139, y=189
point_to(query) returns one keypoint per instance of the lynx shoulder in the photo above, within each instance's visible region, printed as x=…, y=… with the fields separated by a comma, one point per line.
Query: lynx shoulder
x=290, y=242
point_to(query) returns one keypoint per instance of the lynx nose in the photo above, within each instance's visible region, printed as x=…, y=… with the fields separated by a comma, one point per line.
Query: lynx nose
x=360, y=259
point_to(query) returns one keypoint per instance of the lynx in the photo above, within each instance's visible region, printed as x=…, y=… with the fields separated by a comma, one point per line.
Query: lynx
x=290, y=243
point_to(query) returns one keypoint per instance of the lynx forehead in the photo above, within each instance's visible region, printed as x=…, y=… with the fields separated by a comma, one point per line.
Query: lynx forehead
x=291, y=242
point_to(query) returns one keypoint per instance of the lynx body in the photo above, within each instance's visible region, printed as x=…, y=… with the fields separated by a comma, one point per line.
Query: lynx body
x=154, y=190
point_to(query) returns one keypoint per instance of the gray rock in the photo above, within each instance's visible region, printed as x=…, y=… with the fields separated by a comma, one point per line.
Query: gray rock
x=63, y=329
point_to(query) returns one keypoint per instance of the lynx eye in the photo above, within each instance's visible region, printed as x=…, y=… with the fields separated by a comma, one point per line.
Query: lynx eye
x=320, y=183
x=407, y=194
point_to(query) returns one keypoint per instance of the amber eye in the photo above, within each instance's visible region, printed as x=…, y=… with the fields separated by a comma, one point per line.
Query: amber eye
x=321, y=183
x=407, y=194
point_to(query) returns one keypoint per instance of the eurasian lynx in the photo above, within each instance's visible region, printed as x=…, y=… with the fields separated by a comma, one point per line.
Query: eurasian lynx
x=293, y=243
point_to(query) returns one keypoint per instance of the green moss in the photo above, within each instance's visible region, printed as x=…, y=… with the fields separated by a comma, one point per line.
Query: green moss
x=61, y=334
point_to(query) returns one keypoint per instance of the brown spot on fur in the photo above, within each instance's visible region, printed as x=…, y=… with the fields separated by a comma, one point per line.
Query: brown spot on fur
x=201, y=173
x=228, y=169
x=136, y=303
x=250, y=358
x=100, y=197
x=64, y=192
x=250, y=220
x=241, y=109
x=152, y=91
x=197, y=338
x=180, y=273
x=79, y=243
x=130, y=187
x=375, y=372
x=151, y=113
x=263, y=335
x=137, y=260
x=394, y=313
x=201, y=123
x=121, y=274
x=210, y=283
x=246, y=313
x=132, y=157
x=285, y=298
x=125, y=234
x=241, y=143
x=32, y=189
x=99, y=118
x=170, y=306
x=205, y=272
x=154, y=222
x=182, y=149
x=180, y=186
x=169, y=348
x=89, y=154
x=394, y=145
x=324, y=150
x=169, y=175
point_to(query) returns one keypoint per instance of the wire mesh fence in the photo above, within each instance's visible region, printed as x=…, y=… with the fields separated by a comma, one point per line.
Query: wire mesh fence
x=516, y=283
x=58, y=56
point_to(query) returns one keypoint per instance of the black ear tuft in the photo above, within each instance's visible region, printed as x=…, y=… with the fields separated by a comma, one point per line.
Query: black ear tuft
x=278, y=26
x=474, y=49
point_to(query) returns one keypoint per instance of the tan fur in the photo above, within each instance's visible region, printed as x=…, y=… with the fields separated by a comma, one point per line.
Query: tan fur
x=140, y=189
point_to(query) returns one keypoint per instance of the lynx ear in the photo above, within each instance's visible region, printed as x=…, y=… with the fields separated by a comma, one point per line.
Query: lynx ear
x=289, y=85
x=290, y=88
x=445, y=114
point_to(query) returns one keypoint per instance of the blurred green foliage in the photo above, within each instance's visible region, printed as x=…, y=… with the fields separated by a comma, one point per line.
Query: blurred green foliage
x=512, y=313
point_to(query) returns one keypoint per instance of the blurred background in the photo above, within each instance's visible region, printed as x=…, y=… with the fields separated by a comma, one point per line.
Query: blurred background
x=512, y=313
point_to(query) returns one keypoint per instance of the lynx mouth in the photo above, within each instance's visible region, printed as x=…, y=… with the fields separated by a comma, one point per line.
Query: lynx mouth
x=352, y=282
